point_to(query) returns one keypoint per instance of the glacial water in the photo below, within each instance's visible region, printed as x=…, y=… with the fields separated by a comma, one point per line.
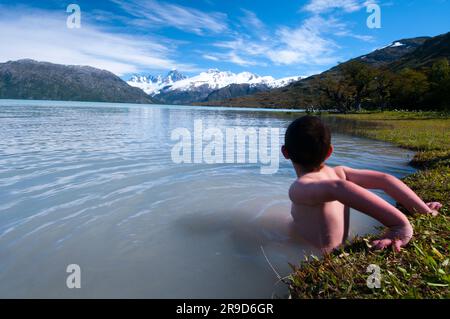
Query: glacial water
x=94, y=184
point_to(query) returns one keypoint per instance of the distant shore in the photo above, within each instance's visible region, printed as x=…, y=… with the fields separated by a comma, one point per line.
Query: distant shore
x=173, y=106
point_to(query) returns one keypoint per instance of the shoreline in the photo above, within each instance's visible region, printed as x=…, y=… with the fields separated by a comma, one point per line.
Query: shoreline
x=420, y=270
x=21, y=102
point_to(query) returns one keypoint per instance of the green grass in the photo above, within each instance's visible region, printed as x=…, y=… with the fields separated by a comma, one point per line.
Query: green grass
x=421, y=270
x=413, y=130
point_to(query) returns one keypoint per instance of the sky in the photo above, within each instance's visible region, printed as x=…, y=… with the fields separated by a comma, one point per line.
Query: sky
x=278, y=38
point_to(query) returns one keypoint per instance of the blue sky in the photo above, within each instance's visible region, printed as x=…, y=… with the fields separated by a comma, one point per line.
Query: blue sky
x=279, y=38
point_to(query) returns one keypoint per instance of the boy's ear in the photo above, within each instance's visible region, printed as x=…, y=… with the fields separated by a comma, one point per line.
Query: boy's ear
x=330, y=151
x=285, y=152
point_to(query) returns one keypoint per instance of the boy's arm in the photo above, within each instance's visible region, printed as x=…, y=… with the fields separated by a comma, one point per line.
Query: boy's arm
x=391, y=186
x=315, y=192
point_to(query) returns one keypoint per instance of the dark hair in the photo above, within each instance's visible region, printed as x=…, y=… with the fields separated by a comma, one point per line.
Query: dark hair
x=307, y=142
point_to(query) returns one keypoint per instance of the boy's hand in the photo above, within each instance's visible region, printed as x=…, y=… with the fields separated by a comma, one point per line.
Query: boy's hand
x=395, y=236
x=434, y=208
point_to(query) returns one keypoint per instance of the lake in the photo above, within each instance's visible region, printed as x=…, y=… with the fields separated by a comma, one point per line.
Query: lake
x=96, y=184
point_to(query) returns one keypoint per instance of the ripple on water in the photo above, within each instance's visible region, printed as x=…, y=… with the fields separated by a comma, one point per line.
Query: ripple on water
x=94, y=184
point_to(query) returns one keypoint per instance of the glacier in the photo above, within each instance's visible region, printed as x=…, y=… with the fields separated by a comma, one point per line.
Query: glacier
x=212, y=79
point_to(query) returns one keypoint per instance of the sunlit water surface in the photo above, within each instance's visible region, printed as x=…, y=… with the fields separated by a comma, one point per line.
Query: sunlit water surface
x=95, y=185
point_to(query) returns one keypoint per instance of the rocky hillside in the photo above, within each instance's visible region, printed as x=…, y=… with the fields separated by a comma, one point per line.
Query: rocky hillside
x=29, y=79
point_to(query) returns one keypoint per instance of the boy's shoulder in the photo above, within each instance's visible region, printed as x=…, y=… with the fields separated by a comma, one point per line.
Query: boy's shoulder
x=340, y=171
x=326, y=173
x=307, y=188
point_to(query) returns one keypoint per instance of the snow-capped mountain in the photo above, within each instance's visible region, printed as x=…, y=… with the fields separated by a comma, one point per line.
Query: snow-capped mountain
x=216, y=79
x=179, y=89
x=153, y=84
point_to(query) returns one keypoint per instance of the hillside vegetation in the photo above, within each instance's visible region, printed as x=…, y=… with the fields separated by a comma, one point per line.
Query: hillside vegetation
x=411, y=74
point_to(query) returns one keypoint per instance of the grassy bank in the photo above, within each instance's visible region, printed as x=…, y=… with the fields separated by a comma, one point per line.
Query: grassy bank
x=422, y=269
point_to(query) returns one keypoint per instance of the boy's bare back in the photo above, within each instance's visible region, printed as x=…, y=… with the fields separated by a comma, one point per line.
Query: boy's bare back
x=323, y=224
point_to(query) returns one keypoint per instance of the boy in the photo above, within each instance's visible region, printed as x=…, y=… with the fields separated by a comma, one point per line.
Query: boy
x=321, y=195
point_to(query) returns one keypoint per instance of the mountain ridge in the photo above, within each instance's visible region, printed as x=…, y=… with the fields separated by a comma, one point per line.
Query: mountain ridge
x=413, y=53
x=206, y=86
x=30, y=79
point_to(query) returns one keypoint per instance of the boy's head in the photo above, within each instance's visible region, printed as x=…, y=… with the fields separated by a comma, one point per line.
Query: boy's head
x=307, y=143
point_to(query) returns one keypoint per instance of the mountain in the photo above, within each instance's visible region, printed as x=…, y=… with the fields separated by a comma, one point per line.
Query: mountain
x=152, y=85
x=392, y=52
x=424, y=56
x=175, y=88
x=235, y=90
x=413, y=53
x=29, y=79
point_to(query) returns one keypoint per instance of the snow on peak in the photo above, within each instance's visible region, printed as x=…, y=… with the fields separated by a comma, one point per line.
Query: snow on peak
x=154, y=84
x=174, y=76
x=212, y=79
x=213, y=71
x=396, y=44
x=286, y=81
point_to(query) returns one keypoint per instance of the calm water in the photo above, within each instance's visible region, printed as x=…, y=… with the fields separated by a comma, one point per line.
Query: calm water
x=94, y=185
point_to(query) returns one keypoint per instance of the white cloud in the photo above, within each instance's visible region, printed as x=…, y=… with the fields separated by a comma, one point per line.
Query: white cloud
x=335, y=27
x=43, y=35
x=284, y=56
x=251, y=20
x=236, y=59
x=244, y=45
x=311, y=43
x=153, y=13
x=242, y=51
x=302, y=45
x=210, y=57
x=253, y=25
x=365, y=38
x=232, y=57
x=321, y=6
x=305, y=44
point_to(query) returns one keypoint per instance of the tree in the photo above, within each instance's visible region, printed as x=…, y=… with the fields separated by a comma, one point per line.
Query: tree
x=382, y=87
x=409, y=89
x=440, y=84
x=360, y=76
x=335, y=93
